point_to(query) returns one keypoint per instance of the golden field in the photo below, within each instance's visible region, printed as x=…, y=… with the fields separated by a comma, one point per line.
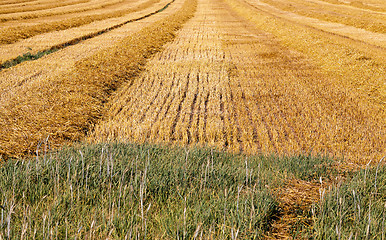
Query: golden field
x=253, y=76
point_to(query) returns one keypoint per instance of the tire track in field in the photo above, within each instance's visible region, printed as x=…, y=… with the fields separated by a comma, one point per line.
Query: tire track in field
x=178, y=114
x=192, y=109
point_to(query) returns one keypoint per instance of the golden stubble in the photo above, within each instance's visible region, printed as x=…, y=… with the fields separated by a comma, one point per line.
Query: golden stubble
x=225, y=84
x=65, y=107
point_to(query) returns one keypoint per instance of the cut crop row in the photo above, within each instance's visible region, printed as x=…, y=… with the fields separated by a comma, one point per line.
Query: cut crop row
x=371, y=21
x=13, y=34
x=39, y=6
x=225, y=84
x=17, y=18
x=66, y=107
x=375, y=5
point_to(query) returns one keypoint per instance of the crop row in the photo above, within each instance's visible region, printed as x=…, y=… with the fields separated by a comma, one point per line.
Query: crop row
x=34, y=6
x=375, y=5
x=227, y=85
x=10, y=35
x=19, y=17
x=56, y=107
x=369, y=20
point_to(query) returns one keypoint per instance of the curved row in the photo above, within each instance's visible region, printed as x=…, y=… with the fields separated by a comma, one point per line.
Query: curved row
x=15, y=33
x=22, y=17
x=56, y=106
x=360, y=18
x=35, y=6
x=52, y=41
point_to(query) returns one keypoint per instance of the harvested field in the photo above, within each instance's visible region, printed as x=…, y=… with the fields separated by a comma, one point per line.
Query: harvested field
x=279, y=78
x=67, y=9
x=14, y=33
x=226, y=84
x=90, y=80
x=60, y=39
x=349, y=55
x=369, y=20
x=34, y=6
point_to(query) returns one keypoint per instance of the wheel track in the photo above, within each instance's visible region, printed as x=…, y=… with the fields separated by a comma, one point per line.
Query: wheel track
x=178, y=114
x=192, y=109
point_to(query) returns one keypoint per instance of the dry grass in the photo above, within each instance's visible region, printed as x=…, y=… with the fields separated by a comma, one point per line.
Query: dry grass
x=15, y=17
x=13, y=1
x=13, y=34
x=65, y=108
x=371, y=21
x=39, y=6
x=375, y=5
x=356, y=65
x=226, y=84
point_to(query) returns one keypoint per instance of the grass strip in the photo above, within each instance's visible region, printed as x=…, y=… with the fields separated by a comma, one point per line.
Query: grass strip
x=118, y=191
x=66, y=108
x=354, y=210
x=26, y=57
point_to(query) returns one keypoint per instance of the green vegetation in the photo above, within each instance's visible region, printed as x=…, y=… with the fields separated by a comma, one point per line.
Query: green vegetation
x=355, y=210
x=26, y=57
x=146, y=191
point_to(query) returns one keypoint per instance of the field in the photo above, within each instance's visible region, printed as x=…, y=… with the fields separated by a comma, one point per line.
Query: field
x=260, y=79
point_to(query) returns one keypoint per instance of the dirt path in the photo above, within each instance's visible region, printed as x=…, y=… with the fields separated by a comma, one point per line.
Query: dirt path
x=60, y=62
x=376, y=39
x=60, y=38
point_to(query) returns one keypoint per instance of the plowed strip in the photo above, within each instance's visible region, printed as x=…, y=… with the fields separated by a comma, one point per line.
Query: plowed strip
x=375, y=5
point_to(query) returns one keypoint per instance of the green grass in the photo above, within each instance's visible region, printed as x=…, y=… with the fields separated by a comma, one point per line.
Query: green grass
x=354, y=210
x=26, y=57
x=145, y=191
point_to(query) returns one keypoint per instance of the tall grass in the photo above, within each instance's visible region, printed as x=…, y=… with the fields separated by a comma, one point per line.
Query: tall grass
x=143, y=191
x=355, y=209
